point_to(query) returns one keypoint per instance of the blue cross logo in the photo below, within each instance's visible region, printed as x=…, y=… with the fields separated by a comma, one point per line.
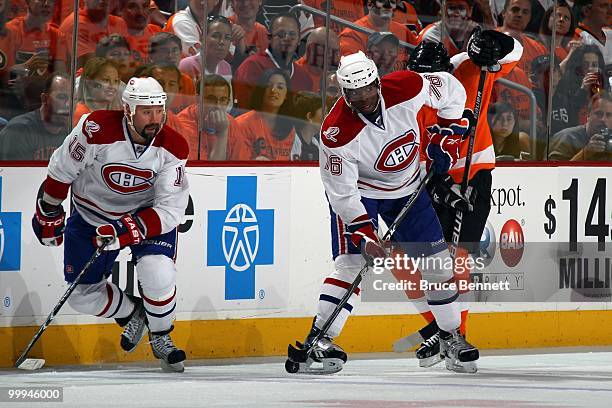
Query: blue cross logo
x=10, y=239
x=240, y=237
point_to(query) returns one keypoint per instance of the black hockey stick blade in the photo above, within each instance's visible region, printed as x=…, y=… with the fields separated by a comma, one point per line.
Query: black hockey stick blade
x=297, y=355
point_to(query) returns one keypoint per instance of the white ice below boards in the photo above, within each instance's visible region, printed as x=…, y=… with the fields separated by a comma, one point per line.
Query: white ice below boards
x=506, y=379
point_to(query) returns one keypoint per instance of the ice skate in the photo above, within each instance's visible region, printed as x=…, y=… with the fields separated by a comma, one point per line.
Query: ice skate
x=170, y=356
x=459, y=355
x=315, y=357
x=134, y=326
x=429, y=352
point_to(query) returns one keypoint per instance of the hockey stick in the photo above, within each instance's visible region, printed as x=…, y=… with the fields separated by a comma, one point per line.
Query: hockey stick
x=301, y=356
x=24, y=363
x=406, y=343
x=468, y=161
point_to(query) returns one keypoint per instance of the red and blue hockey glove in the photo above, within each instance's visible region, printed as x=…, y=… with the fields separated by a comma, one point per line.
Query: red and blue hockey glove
x=122, y=232
x=363, y=236
x=443, y=148
x=48, y=223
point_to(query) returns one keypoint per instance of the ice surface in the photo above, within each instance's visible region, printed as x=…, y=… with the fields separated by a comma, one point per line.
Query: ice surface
x=558, y=379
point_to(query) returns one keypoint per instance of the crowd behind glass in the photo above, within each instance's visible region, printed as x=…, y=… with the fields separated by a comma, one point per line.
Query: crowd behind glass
x=252, y=79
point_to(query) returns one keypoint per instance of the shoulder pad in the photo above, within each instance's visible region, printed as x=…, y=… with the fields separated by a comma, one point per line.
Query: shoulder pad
x=173, y=142
x=103, y=127
x=340, y=126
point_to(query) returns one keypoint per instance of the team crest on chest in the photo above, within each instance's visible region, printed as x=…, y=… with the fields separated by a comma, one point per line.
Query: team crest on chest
x=124, y=179
x=398, y=154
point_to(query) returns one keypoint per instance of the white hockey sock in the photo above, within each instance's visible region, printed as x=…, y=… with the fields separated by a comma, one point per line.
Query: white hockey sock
x=447, y=316
x=102, y=299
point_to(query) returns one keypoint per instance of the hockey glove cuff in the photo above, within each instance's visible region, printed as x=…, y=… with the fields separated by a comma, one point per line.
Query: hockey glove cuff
x=363, y=236
x=48, y=223
x=122, y=232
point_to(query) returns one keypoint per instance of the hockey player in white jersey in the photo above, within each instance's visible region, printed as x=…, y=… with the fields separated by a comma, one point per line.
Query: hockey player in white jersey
x=369, y=163
x=127, y=175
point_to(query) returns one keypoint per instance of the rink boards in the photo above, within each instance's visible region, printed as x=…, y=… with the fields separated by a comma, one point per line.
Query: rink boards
x=255, y=246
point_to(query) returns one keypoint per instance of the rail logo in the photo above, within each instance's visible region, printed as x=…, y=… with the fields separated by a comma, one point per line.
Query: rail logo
x=124, y=179
x=241, y=237
x=398, y=154
x=487, y=244
x=511, y=243
x=10, y=238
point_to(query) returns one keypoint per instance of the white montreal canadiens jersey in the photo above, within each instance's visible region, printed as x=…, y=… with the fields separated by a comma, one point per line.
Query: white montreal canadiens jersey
x=110, y=177
x=360, y=159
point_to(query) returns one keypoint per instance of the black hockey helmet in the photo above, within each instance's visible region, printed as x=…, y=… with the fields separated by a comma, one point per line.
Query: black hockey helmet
x=429, y=56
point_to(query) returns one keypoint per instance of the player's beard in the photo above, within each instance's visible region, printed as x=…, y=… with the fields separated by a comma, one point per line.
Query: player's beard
x=149, y=131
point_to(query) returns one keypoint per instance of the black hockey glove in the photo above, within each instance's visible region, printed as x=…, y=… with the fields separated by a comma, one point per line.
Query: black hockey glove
x=487, y=47
x=443, y=191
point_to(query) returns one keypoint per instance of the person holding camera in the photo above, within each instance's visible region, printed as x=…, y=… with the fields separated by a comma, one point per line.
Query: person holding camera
x=591, y=141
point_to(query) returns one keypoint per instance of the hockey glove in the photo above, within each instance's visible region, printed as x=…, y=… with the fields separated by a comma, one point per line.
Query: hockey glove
x=122, y=232
x=443, y=191
x=364, y=237
x=443, y=148
x=48, y=223
x=486, y=48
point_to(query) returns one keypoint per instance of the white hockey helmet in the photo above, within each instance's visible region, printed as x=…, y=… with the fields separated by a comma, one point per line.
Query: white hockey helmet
x=143, y=92
x=356, y=71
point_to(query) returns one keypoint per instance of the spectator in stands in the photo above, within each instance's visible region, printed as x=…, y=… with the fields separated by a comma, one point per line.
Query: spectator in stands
x=583, y=77
x=591, y=141
x=516, y=15
x=349, y=10
x=165, y=49
x=383, y=49
x=285, y=36
x=98, y=87
x=457, y=28
x=35, y=135
x=379, y=18
x=95, y=22
x=406, y=15
x=42, y=47
x=187, y=24
x=255, y=34
x=540, y=78
x=222, y=137
x=218, y=41
x=308, y=117
x=594, y=28
x=268, y=130
x=136, y=14
x=564, y=28
x=8, y=47
x=332, y=90
x=116, y=48
x=314, y=58
x=508, y=141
